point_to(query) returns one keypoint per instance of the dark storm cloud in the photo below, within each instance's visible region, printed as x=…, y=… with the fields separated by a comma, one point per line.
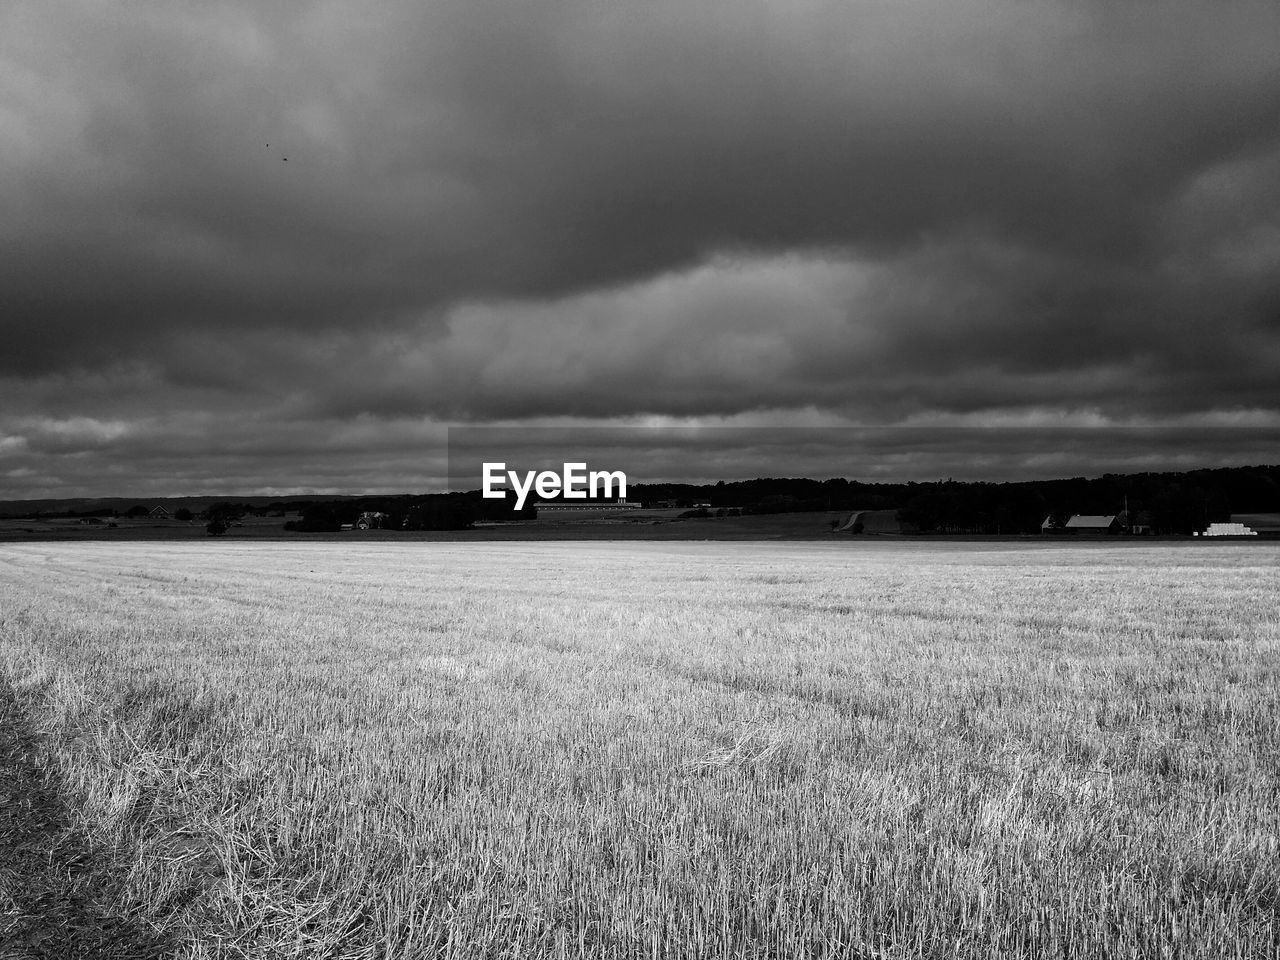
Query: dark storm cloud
x=709, y=454
x=176, y=454
x=964, y=327
x=877, y=211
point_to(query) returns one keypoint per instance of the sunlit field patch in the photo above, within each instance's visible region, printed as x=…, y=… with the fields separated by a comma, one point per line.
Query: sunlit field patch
x=675, y=750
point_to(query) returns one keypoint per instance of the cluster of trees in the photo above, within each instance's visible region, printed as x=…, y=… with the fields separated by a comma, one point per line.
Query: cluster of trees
x=702, y=513
x=1164, y=502
x=137, y=512
x=772, y=495
x=441, y=511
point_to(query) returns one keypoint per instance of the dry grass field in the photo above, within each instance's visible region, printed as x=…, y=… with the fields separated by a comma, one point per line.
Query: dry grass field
x=733, y=750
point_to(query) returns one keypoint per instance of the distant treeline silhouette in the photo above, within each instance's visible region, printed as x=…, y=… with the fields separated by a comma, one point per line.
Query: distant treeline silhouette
x=1165, y=503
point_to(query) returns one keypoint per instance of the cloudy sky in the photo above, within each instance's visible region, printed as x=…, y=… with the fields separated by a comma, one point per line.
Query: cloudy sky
x=266, y=247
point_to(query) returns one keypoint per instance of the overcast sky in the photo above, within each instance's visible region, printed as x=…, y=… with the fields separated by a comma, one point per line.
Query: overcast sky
x=269, y=247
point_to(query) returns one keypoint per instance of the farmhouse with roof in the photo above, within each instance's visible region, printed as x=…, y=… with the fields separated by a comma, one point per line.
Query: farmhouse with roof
x=1090, y=524
x=585, y=509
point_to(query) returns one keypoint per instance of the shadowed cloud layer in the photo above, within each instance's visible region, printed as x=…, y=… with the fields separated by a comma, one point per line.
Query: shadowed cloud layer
x=869, y=212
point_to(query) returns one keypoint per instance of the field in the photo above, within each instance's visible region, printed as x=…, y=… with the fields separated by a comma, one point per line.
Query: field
x=855, y=749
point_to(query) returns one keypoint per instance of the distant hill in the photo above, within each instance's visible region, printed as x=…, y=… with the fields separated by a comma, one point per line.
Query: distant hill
x=1171, y=503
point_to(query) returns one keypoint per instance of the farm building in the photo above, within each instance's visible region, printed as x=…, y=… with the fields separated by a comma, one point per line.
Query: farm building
x=1090, y=524
x=1142, y=524
x=160, y=512
x=582, y=509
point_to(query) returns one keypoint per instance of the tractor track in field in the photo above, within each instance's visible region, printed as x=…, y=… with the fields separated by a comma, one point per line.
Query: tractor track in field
x=56, y=892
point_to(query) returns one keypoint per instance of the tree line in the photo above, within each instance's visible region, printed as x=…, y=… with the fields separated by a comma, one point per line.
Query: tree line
x=1166, y=503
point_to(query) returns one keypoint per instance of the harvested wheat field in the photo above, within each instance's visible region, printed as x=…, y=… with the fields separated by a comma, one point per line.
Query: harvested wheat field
x=639, y=750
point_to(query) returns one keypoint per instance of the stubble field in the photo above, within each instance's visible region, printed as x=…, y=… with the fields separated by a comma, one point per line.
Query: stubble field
x=639, y=750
